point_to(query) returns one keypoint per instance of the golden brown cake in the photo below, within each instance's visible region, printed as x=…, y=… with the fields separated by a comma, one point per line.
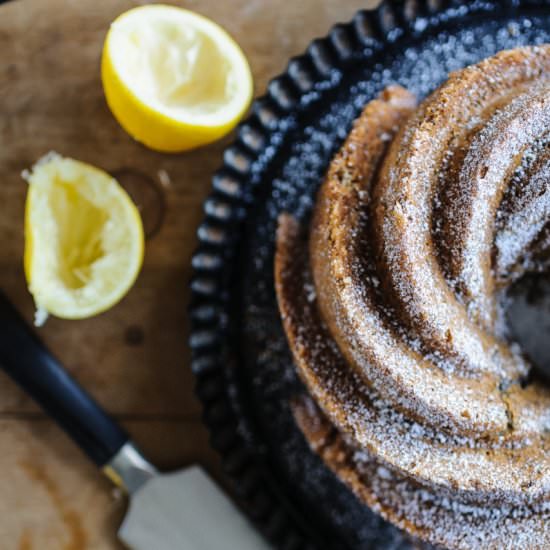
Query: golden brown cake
x=392, y=308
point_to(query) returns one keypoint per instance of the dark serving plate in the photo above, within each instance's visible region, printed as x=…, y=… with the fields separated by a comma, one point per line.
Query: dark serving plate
x=243, y=368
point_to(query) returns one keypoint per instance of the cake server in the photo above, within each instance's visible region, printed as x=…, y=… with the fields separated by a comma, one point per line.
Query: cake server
x=183, y=510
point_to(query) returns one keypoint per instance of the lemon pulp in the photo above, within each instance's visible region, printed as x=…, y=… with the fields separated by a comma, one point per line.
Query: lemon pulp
x=83, y=238
x=176, y=69
x=80, y=226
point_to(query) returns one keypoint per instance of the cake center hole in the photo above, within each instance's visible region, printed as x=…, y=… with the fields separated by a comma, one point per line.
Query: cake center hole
x=529, y=319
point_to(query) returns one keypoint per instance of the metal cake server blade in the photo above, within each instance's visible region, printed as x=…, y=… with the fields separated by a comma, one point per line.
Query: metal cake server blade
x=183, y=510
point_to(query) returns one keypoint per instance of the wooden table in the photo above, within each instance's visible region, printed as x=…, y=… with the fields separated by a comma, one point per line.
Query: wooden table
x=134, y=358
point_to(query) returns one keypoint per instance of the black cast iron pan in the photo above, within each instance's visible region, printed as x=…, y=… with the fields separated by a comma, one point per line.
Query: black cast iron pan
x=243, y=368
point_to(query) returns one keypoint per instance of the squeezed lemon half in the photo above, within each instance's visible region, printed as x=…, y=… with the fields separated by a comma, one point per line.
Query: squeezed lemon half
x=83, y=239
x=172, y=78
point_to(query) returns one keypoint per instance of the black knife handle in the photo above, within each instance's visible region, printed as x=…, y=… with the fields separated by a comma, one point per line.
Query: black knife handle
x=32, y=366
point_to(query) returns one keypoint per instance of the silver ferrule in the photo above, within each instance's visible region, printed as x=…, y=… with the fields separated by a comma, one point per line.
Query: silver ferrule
x=128, y=469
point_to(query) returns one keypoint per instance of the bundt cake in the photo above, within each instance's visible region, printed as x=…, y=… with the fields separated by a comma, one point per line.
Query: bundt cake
x=393, y=303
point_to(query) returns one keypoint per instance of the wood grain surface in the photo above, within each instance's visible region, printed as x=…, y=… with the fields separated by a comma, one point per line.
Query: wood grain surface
x=134, y=358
